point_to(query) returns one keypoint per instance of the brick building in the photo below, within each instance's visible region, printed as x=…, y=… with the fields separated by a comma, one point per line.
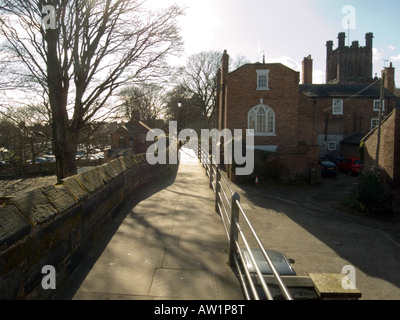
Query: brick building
x=128, y=139
x=346, y=108
x=344, y=113
x=265, y=97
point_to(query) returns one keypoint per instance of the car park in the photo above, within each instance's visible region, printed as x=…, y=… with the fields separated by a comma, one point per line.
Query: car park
x=350, y=165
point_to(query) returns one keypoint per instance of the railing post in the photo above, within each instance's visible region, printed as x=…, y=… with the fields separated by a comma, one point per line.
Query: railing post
x=199, y=151
x=234, y=232
x=217, y=187
x=210, y=170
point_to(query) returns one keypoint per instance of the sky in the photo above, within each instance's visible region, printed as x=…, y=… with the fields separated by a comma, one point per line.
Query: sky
x=286, y=31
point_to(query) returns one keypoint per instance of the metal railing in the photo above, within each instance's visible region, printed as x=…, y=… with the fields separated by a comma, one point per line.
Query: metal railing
x=227, y=205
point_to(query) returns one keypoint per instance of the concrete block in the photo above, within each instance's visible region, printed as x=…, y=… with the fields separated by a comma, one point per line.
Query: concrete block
x=59, y=197
x=122, y=162
x=35, y=207
x=129, y=162
x=118, y=165
x=75, y=188
x=100, y=170
x=329, y=287
x=140, y=158
x=93, y=178
x=13, y=226
x=111, y=170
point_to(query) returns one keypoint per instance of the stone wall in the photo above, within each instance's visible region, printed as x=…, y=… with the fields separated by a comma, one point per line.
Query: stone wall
x=57, y=225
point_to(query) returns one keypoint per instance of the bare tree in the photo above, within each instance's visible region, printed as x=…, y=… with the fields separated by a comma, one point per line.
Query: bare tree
x=199, y=78
x=238, y=61
x=142, y=102
x=78, y=52
x=182, y=106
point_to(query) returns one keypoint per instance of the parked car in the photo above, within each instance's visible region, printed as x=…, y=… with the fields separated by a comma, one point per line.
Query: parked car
x=333, y=158
x=328, y=168
x=350, y=165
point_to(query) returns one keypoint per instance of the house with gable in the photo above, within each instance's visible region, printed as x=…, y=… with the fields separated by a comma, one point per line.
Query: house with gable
x=128, y=139
x=265, y=97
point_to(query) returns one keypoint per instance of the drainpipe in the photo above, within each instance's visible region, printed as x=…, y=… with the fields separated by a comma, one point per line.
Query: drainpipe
x=378, y=144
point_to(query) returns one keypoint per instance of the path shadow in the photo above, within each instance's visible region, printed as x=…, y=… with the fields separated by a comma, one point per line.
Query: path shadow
x=70, y=288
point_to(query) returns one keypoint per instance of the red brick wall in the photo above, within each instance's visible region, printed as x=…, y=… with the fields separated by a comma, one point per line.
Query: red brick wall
x=295, y=136
x=356, y=118
x=116, y=138
x=282, y=97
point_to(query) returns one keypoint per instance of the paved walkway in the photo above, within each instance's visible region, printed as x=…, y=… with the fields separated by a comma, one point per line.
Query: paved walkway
x=170, y=244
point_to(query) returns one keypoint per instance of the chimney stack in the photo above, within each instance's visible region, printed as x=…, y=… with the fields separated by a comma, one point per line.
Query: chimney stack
x=307, y=70
x=389, y=78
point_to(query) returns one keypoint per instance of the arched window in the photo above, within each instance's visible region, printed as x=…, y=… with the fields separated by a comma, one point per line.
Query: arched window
x=262, y=120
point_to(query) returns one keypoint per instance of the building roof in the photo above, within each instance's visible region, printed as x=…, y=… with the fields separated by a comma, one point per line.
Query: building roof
x=262, y=66
x=133, y=127
x=355, y=139
x=356, y=90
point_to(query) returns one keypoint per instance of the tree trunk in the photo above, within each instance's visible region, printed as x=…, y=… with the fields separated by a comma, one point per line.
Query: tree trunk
x=65, y=147
x=64, y=137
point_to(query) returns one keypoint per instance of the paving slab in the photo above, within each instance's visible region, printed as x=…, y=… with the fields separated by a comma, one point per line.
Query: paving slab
x=169, y=245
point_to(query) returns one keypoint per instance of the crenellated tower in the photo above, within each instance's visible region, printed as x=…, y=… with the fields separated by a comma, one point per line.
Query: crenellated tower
x=349, y=64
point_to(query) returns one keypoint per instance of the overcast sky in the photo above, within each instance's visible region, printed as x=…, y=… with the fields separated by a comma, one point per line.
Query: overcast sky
x=288, y=30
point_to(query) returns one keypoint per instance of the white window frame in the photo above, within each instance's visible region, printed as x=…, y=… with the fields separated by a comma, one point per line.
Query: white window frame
x=262, y=73
x=374, y=123
x=269, y=124
x=377, y=104
x=332, y=145
x=337, y=106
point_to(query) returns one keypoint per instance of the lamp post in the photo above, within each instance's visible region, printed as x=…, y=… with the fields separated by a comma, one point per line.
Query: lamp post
x=179, y=120
x=179, y=113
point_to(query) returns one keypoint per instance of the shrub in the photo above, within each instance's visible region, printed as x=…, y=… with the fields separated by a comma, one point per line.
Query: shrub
x=369, y=197
x=372, y=194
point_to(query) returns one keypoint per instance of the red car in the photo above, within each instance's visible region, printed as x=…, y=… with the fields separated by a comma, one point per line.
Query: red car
x=351, y=165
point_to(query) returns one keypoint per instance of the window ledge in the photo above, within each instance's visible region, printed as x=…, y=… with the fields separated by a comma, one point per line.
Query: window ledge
x=262, y=134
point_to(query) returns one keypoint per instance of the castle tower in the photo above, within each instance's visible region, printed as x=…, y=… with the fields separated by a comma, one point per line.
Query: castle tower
x=349, y=64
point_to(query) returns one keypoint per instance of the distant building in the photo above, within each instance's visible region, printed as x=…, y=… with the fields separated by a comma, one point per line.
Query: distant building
x=128, y=139
x=344, y=113
x=349, y=64
x=346, y=108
